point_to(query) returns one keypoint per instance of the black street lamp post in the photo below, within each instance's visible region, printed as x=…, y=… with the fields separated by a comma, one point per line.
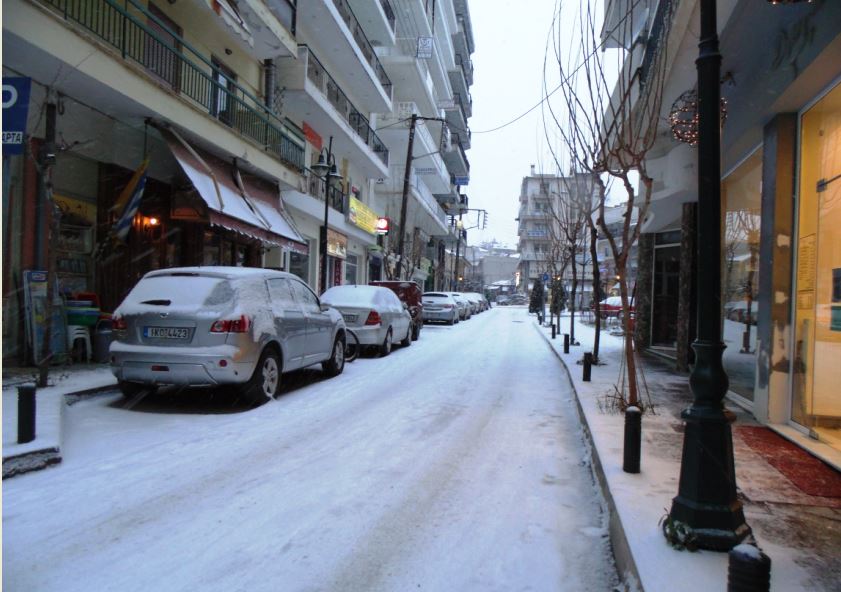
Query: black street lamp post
x=706, y=500
x=325, y=169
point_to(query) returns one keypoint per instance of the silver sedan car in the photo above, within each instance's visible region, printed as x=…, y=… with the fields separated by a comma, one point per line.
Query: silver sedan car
x=375, y=314
x=204, y=326
x=440, y=306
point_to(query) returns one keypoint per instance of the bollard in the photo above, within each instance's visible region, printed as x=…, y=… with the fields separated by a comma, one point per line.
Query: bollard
x=748, y=570
x=633, y=438
x=588, y=364
x=553, y=330
x=26, y=413
x=566, y=343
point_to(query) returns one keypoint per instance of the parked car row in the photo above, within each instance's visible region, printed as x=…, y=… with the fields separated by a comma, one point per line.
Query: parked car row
x=511, y=300
x=245, y=327
x=452, y=307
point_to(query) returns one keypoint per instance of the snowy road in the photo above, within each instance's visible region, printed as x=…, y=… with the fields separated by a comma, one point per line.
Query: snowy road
x=454, y=464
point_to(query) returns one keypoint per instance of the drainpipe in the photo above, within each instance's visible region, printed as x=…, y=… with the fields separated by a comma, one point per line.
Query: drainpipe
x=269, y=78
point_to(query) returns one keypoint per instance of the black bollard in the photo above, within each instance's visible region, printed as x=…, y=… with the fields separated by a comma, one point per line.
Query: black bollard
x=566, y=343
x=26, y=413
x=633, y=439
x=748, y=570
x=588, y=365
x=553, y=330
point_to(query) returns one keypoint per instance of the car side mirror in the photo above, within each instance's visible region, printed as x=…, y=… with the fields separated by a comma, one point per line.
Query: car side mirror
x=323, y=307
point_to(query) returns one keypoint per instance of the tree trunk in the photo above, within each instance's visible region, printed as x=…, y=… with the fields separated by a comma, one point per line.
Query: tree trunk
x=572, y=298
x=594, y=256
x=630, y=359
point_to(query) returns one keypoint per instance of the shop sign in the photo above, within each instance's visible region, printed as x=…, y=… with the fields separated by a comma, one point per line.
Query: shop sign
x=336, y=244
x=461, y=180
x=383, y=225
x=425, y=264
x=312, y=136
x=185, y=207
x=15, y=111
x=424, y=48
x=362, y=216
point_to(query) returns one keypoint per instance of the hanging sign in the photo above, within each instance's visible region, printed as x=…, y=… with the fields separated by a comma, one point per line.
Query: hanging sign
x=362, y=216
x=382, y=225
x=424, y=47
x=15, y=111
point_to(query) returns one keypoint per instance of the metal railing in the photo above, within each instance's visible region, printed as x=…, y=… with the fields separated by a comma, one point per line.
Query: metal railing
x=466, y=67
x=319, y=76
x=196, y=79
x=659, y=26
x=364, y=45
x=389, y=14
x=336, y=199
x=456, y=141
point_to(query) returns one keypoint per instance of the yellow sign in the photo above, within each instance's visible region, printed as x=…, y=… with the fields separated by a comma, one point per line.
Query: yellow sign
x=336, y=244
x=362, y=216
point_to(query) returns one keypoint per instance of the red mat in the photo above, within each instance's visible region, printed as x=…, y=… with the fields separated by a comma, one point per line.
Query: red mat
x=810, y=474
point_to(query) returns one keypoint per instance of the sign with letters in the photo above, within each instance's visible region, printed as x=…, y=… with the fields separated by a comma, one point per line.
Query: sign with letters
x=16, y=92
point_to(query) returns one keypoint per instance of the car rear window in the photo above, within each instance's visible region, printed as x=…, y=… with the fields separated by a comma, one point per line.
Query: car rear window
x=434, y=295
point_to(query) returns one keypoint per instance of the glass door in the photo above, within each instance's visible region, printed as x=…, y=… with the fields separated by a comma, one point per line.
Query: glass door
x=816, y=372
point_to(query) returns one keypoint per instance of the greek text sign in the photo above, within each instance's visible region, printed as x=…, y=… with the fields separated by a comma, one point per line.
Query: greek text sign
x=15, y=110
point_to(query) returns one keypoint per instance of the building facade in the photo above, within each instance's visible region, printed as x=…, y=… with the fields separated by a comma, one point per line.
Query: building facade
x=781, y=140
x=159, y=134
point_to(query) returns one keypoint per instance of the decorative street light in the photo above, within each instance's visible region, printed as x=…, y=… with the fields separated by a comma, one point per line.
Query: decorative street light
x=325, y=169
x=706, y=502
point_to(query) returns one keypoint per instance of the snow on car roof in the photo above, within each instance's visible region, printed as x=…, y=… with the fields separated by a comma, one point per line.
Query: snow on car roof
x=219, y=271
x=357, y=295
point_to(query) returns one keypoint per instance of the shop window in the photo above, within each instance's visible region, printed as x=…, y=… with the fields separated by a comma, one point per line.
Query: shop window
x=211, y=252
x=816, y=372
x=741, y=194
x=351, y=269
x=299, y=265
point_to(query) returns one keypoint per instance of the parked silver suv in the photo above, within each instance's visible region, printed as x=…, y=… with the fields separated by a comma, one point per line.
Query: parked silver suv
x=203, y=326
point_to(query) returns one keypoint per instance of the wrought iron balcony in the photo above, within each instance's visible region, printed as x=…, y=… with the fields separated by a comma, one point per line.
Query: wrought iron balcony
x=389, y=14
x=319, y=76
x=173, y=61
x=362, y=42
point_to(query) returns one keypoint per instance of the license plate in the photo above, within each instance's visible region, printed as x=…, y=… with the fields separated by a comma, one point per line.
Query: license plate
x=350, y=318
x=166, y=332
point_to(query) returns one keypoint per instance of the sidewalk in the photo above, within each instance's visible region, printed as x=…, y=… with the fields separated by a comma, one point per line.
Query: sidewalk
x=45, y=449
x=799, y=531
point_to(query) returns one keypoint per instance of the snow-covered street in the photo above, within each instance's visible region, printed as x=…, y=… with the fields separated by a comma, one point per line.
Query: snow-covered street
x=457, y=463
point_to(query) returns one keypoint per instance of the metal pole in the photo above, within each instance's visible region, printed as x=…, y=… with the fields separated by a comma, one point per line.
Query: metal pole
x=405, y=199
x=326, y=214
x=706, y=502
x=26, y=413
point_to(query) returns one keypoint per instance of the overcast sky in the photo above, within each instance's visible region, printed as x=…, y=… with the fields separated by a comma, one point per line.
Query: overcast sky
x=510, y=38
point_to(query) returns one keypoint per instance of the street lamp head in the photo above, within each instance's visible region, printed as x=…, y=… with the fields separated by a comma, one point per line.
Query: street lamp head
x=320, y=168
x=334, y=179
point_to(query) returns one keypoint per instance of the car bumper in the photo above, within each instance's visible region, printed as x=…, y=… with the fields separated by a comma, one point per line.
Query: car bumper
x=436, y=315
x=196, y=367
x=370, y=335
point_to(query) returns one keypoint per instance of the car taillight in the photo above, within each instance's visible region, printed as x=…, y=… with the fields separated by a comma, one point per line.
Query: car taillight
x=447, y=306
x=240, y=325
x=373, y=318
x=119, y=324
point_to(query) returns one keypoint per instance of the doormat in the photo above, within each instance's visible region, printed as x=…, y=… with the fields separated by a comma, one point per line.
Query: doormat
x=810, y=474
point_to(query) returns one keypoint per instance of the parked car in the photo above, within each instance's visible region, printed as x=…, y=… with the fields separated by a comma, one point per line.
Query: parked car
x=612, y=306
x=374, y=313
x=503, y=300
x=440, y=306
x=476, y=301
x=517, y=299
x=412, y=295
x=465, y=310
x=205, y=326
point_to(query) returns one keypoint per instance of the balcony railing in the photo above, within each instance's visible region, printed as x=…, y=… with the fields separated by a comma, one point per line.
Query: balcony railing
x=537, y=233
x=389, y=14
x=466, y=67
x=465, y=106
x=336, y=199
x=362, y=42
x=456, y=141
x=195, y=77
x=319, y=76
x=655, y=37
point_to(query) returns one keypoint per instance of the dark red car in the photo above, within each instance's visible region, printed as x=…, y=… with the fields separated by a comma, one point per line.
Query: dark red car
x=411, y=294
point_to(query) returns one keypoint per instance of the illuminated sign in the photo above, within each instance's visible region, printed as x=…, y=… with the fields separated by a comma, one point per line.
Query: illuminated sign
x=382, y=225
x=362, y=216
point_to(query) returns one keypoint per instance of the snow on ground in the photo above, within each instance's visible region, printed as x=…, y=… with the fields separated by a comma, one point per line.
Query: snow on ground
x=454, y=464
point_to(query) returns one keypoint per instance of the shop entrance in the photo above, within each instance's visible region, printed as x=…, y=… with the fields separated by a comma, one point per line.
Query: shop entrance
x=665, y=297
x=816, y=372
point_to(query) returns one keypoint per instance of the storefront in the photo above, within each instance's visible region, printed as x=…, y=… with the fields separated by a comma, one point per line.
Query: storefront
x=816, y=356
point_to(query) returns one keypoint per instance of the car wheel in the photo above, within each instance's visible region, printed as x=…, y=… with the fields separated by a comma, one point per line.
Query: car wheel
x=336, y=364
x=385, y=348
x=416, y=328
x=407, y=341
x=132, y=389
x=264, y=384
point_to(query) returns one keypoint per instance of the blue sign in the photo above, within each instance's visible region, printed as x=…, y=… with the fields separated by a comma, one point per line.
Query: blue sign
x=545, y=277
x=15, y=110
x=461, y=180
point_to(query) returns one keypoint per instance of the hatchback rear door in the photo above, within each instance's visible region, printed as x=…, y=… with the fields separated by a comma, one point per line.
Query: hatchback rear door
x=289, y=321
x=319, y=323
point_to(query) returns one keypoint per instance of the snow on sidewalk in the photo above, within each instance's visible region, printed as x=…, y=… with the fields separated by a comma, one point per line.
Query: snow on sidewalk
x=639, y=501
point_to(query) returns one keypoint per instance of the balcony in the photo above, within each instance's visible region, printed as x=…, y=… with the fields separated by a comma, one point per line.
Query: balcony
x=536, y=234
x=378, y=18
x=456, y=158
x=171, y=61
x=412, y=76
x=312, y=95
x=336, y=199
x=332, y=29
x=466, y=65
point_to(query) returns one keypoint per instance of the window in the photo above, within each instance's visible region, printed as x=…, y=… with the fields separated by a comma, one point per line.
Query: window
x=351, y=269
x=281, y=291
x=162, y=53
x=305, y=296
x=223, y=105
x=299, y=265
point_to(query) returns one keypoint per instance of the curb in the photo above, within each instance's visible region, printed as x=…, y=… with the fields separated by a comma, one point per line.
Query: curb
x=42, y=458
x=618, y=541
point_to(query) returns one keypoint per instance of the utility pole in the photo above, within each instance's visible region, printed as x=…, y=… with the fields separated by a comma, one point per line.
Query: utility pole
x=405, y=200
x=46, y=160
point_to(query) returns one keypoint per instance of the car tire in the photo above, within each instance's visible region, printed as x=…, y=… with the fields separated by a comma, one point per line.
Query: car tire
x=407, y=341
x=264, y=383
x=336, y=363
x=132, y=389
x=416, y=329
x=387, y=344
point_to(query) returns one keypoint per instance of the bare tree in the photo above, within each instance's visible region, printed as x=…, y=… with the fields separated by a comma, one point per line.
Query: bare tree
x=607, y=119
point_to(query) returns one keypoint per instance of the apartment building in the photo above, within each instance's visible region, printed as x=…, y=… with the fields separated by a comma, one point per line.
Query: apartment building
x=190, y=133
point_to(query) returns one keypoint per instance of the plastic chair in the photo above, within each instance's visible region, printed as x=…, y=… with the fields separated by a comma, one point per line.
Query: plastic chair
x=75, y=333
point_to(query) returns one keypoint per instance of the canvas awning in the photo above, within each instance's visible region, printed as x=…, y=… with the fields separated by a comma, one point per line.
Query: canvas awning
x=243, y=205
